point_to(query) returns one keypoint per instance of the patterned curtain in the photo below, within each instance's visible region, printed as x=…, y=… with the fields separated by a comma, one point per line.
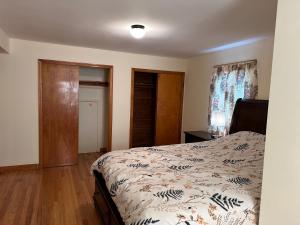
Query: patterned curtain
x=229, y=83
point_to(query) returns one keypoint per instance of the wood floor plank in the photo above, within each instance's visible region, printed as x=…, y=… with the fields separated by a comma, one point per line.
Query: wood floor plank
x=52, y=196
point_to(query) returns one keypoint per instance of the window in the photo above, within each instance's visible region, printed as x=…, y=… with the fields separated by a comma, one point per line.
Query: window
x=229, y=83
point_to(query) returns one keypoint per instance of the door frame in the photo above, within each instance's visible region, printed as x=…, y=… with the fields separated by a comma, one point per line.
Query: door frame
x=150, y=71
x=40, y=99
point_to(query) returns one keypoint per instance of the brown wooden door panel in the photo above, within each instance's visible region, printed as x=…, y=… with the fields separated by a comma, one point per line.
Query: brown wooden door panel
x=59, y=102
x=169, y=108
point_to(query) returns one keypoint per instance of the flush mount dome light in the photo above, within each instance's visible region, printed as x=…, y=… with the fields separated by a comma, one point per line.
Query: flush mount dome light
x=137, y=31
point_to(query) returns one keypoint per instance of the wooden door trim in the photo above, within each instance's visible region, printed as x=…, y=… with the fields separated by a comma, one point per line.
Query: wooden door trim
x=131, y=107
x=110, y=110
x=102, y=66
x=156, y=71
x=181, y=108
x=150, y=71
x=40, y=99
x=40, y=102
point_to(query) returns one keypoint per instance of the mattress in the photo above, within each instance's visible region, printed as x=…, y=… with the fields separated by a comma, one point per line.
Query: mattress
x=212, y=183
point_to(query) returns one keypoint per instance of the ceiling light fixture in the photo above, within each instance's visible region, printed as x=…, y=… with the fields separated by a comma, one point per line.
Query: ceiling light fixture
x=138, y=31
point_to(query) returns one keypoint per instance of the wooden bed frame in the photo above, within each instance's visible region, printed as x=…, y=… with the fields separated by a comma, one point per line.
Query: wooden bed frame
x=103, y=202
x=248, y=115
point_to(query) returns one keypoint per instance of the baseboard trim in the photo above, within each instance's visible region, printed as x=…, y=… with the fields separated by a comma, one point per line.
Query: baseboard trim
x=6, y=169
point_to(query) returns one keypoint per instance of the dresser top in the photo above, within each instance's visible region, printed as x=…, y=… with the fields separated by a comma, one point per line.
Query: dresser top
x=200, y=134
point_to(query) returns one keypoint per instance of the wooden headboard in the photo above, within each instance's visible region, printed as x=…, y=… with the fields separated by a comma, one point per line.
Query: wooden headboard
x=250, y=115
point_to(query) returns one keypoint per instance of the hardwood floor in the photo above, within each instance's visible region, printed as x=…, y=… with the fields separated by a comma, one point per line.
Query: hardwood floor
x=52, y=196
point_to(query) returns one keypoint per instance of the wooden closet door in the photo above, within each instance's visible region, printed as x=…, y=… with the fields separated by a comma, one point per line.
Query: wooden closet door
x=169, y=108
x=59, y=109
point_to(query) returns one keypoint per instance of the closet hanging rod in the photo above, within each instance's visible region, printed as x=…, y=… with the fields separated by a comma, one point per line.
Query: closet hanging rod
x=93, y=83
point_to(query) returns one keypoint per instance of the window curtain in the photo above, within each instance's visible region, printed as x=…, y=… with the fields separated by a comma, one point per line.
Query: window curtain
x=229, y=83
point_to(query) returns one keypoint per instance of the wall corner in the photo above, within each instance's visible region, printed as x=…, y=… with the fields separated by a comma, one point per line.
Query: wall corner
x=4, y=42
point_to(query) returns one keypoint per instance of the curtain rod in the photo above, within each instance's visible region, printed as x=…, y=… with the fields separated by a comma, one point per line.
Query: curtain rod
x=240, y=62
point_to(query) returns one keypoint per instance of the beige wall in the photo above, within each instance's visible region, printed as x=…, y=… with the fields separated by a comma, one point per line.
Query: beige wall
x=18, y=80
x=19, y=93
x=4, y=42
x=281, y=181
x=199, y=77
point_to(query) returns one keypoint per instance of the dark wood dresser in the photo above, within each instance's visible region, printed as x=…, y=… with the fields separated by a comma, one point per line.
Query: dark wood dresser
x=197, y=136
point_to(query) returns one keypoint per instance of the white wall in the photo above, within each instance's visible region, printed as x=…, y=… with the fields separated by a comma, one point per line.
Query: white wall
x=90, y=141
x=4, y=42
x=19, y=92
x=93, y=74
x=200, y=69
x=281, y=182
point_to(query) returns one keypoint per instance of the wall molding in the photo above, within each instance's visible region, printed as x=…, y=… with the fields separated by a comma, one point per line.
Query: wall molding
x=6, y=169
x=4, y=42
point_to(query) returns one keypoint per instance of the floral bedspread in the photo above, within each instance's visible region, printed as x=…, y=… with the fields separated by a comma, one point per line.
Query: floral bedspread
x=212, y=183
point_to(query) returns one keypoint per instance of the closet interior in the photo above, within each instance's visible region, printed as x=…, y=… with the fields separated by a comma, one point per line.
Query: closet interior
x=93, y=109
x=143, y=130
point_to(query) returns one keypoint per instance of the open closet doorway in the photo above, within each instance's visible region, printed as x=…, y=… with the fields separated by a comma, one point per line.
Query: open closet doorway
x=93, y=109
x=75, y=111
x=156, y=107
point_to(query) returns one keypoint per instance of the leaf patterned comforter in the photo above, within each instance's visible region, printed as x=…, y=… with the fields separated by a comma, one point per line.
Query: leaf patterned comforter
x=212, y=183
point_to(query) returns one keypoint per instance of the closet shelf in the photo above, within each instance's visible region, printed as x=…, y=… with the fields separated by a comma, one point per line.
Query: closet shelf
x=93, y=83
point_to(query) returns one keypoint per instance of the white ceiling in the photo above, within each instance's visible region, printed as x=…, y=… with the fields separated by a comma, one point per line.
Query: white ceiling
x=181, y=28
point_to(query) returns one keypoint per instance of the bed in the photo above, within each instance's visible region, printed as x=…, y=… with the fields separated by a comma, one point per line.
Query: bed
x=214, y=182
